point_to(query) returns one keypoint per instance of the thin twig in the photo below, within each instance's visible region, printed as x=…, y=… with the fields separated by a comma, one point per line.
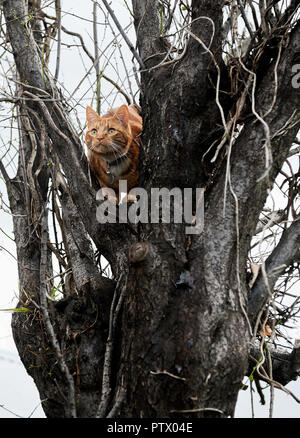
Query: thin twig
x=58, y=17
x=267, y=143
x=96, y=63
x=245, y=18
x=120, y=28
x=46, y=317
x=106, y=380
x=117, y=405
x=90, y=69
x=187, y=411
x=157, y=373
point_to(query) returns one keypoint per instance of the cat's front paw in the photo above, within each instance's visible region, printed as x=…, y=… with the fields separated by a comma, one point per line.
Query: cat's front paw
x=129, y=197
x=107, y=194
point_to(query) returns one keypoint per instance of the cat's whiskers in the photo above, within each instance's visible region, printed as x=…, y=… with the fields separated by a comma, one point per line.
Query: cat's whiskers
x=115, y=155
x=117, y=150
x=117, y=146
x=113, y=148
x=118, y=143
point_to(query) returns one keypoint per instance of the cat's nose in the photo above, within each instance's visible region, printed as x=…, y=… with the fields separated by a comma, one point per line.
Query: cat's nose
x=100, y=137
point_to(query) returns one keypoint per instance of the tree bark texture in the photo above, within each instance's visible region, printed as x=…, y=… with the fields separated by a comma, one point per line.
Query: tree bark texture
x=177, y=320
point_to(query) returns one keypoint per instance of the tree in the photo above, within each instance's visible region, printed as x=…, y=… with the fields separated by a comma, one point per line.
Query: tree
x=180, y=321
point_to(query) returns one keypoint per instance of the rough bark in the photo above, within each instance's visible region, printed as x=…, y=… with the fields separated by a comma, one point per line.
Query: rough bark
x=176, y=320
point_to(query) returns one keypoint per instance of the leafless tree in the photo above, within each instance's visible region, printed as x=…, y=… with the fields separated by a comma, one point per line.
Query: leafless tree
x=175, y=322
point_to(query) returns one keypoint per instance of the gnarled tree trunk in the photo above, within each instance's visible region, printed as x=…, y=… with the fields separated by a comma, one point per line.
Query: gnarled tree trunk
x=169, y=334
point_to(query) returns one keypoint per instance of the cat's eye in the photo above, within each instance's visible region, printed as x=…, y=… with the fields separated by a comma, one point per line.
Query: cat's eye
x=94, y=131
x=111, y=130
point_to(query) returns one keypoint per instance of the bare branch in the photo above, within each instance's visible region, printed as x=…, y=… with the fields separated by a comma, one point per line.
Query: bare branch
x=147, y=27
x=245, y=18
x=126, y=39
x=285, y=364
x=270, y=219
x=46, y=317
x=106, y=381
x=282, y=256
x=96, y=63
x=58, y=17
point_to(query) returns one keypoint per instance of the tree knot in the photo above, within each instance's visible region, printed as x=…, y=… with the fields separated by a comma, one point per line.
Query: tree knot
x=138, y=252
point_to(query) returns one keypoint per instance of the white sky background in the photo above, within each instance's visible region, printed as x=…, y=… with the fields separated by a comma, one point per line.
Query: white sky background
x=17, y=391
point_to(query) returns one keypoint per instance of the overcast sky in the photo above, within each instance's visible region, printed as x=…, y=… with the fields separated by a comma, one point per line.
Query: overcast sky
x=17, y=391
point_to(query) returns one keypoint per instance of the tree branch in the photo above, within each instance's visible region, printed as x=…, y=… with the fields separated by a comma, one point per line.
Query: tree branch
x=282, y=256
x=147, y=27
x=58, y=19
x=243, y=174
x=24, y=47
x=85, y=272
x=246, y=162
x=65, y=142
x=108, y=79
x=202, y=28
x=96, y=62
x=128, y=42
x=285, y=365
x=47, y=321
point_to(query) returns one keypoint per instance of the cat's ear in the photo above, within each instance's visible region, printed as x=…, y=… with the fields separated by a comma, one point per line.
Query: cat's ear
x=122, y=114
x=91, y=115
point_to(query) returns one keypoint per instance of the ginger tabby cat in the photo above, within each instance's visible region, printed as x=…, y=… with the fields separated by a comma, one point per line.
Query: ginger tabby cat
x=113, y=146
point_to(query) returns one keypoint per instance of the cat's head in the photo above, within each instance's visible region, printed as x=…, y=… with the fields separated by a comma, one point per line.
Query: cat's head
x=109, y=135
